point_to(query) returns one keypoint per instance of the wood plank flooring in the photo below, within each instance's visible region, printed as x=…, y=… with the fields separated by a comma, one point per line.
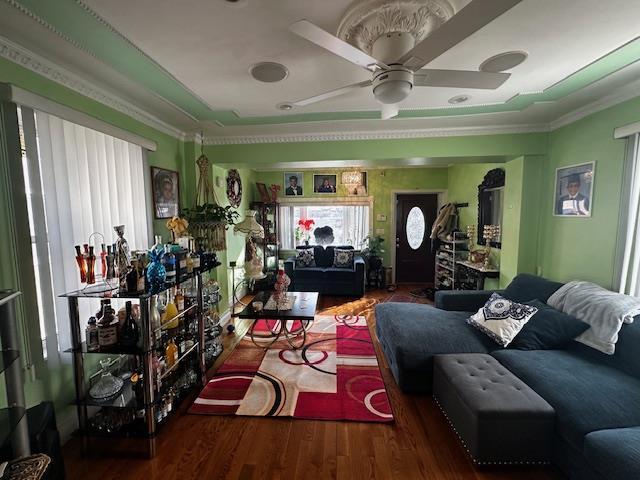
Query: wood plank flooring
x=418, y=445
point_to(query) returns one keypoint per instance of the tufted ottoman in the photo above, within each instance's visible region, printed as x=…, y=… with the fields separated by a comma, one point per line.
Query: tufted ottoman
x=499, y=419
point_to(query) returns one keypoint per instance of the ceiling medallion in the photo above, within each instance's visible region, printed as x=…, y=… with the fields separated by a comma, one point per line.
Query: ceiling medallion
x=367, y=20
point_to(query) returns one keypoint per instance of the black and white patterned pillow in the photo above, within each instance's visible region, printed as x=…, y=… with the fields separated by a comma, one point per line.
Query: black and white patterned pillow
x=502, y=319
x=342, y=258
x=305, y=258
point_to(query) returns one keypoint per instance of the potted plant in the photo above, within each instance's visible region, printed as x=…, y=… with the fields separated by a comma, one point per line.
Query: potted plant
x=303, y=229
x=208, y=223
x=373, y=251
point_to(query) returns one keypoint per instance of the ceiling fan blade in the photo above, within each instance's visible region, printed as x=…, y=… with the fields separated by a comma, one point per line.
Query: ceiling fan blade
x=459, y=79
x=324, y=39
x=389, y=110
x=333, y=93
x=470, y=19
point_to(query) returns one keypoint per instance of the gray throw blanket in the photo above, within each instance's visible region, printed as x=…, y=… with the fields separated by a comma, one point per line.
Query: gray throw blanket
x=604, y=310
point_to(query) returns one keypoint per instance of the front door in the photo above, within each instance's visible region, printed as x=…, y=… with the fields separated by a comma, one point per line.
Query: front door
x=415, y=214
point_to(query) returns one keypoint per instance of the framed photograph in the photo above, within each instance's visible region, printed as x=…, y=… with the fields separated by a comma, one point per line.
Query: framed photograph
x=574, y=190
x=166, y=192
x=264, y=192
x=293, y=184
x=325, y=183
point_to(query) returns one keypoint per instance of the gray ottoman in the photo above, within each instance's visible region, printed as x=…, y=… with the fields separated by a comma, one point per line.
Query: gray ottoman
x=499, y=419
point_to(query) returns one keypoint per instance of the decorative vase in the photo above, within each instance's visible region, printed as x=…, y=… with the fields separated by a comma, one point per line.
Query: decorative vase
x=122, y=254
x=281, y=287
x=156, y=273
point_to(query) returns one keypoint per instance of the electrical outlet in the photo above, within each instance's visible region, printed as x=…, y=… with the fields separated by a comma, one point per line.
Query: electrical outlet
x=381, y=217
x=379, y=231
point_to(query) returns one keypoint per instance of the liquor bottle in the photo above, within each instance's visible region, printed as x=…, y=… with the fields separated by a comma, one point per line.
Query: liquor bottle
x=170, y=315
x=189, y=263
x=81, y=265
x=179, y=300
x=130, y=331
x=142, y=280
x=194, y=258
x=171, y=354
x=155, y=319
x=107, y=325
x=132, y=278
x=90, y=260
x=179, y=343
x=111, y=263
x=91, y=335
x=103, y=261
x=169, y=262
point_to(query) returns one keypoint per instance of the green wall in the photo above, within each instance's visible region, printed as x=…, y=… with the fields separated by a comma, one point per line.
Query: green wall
x=380, y=185
x=585, y=248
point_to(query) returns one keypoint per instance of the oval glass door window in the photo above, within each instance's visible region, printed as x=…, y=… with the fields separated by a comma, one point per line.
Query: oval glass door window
x=415, y=228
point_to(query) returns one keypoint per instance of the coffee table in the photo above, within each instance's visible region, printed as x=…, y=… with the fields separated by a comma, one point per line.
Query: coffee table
x=282, y=323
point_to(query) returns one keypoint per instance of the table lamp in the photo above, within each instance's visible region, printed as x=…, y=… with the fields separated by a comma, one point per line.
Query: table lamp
x=252, y=261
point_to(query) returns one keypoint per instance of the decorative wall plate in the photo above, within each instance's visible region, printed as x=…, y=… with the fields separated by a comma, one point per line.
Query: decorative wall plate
x=234, y=187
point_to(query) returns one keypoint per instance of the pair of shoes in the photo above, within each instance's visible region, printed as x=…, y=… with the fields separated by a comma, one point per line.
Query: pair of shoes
x=391, y=288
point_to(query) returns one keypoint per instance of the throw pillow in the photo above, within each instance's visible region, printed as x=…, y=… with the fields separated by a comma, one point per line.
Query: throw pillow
x=501, y=319
x=548, y=329
x=342, y=258
x=305, y=258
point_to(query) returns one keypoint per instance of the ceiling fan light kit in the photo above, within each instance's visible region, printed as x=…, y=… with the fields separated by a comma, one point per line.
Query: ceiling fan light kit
x=396, y=40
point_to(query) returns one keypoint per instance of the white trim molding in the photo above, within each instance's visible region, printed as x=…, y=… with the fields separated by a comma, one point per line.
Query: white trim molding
x=375, y=134
x=51, y=71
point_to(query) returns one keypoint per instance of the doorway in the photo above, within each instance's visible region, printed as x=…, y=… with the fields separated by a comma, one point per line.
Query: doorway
x=415, y=214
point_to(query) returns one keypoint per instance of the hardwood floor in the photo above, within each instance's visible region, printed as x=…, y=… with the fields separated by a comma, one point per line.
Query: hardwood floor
x=418, y=445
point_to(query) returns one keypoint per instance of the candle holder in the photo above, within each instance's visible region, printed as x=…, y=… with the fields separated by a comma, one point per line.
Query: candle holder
x=490, y=233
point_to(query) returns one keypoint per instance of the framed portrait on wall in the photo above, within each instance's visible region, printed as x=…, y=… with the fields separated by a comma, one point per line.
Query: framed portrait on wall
x=293, y=184
x=325, y=183
x=166, y=192
x=574, y=190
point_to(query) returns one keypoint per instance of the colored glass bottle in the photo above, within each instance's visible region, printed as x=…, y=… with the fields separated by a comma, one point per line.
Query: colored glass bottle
x=130, y=331
x=81, y=265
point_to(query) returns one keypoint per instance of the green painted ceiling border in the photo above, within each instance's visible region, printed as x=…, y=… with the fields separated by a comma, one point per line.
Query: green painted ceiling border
x=81, y=26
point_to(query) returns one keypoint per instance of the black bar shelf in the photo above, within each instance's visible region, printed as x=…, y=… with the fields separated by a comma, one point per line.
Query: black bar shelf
x=146, y=427
x=9, y=419
x=7, y=358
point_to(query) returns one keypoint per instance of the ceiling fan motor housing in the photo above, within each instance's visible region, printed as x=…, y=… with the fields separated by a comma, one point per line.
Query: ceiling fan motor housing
x=393, y=85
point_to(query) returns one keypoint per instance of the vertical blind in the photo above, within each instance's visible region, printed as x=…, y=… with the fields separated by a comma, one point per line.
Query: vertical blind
x=630, y=268
x=90, y=182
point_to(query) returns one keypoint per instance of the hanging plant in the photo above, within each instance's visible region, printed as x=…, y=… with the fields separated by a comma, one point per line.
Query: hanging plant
x=211, y=213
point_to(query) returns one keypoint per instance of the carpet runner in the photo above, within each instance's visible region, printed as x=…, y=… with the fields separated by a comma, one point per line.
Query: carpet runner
x=335, y=376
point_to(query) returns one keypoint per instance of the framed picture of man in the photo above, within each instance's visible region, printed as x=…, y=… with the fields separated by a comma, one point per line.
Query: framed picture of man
x=166, y=192
x=325, y=183
x=293, y=183
x=574, y=190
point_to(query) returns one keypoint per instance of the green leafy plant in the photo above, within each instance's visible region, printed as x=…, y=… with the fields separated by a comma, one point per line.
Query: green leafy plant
x=211, y=212
x=373, y=248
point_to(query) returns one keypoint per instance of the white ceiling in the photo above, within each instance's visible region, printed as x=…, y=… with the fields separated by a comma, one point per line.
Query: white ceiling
x=210, y=45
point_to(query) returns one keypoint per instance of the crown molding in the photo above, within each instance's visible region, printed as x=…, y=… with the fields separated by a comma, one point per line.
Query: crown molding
x=45, y=68
x=375, y=135
x=622, y=95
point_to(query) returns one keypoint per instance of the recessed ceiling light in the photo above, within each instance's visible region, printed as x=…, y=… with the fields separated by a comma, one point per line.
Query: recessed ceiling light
x=284, y=106
x=269, y=72
x=458, y=99
x=503, y=62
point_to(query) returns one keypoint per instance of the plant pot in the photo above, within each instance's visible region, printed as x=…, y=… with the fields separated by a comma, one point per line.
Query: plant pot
x=375, y=263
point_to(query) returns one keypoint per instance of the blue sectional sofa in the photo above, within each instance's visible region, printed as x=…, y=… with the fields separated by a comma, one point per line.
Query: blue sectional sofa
x=324, y=278
x=596, y=396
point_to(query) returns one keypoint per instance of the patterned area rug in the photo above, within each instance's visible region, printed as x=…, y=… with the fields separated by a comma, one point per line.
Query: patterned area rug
x=335, y=376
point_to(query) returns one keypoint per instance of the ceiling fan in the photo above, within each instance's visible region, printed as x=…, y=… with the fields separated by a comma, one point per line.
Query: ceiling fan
x=401, y=67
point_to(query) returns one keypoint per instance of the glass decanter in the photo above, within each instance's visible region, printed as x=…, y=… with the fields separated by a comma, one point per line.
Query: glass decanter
x=107, y=386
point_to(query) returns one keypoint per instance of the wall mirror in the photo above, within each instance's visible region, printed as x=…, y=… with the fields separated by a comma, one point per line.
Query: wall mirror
x=490, y=203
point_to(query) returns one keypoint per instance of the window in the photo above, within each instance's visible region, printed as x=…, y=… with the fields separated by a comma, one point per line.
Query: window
x=350, y=223
x=78, y=181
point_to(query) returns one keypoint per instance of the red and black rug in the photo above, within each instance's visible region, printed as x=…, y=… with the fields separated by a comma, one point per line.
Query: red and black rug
x=335, y=376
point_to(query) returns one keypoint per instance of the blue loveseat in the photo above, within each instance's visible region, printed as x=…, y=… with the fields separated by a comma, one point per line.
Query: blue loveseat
x=596, y=396
x=324, y=278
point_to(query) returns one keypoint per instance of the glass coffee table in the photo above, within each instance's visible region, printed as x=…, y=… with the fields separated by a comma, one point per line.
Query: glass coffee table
x=291, y=324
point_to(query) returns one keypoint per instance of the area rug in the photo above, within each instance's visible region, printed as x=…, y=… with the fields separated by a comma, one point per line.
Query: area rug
x=335, y=376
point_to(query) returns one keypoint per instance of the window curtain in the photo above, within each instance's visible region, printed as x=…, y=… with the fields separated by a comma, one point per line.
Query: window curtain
x=356, y=224
x=90, y=183
x=286, y=227
x=630, y=266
